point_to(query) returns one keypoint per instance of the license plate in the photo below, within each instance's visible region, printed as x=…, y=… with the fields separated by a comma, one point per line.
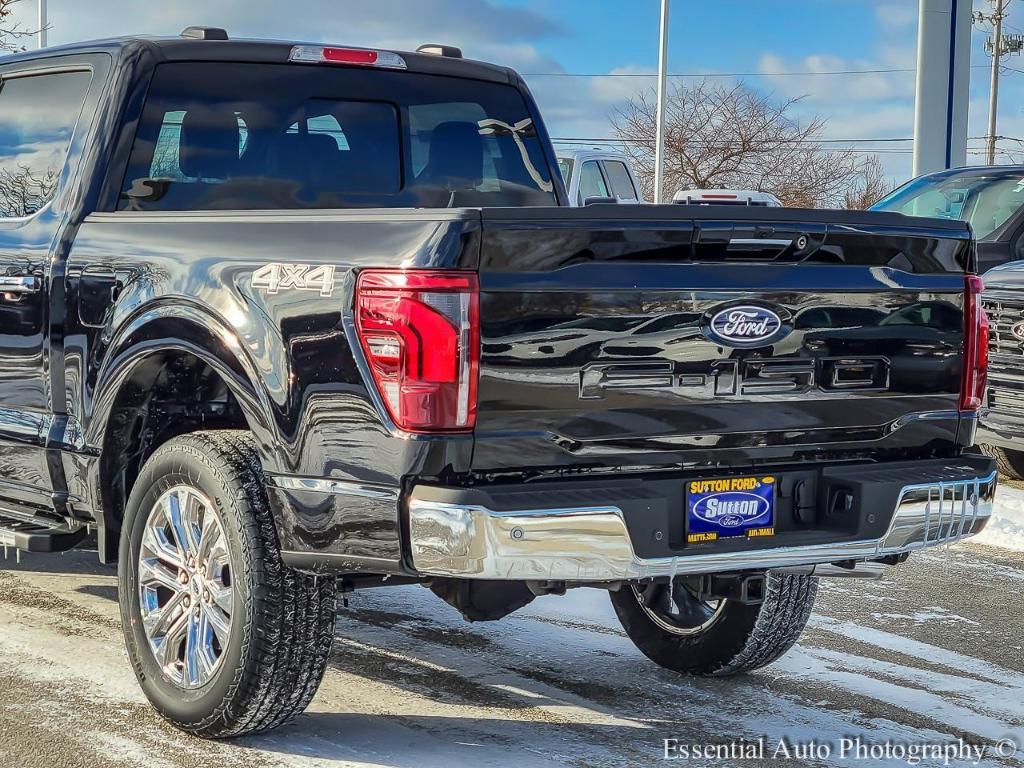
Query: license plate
x=730, y=507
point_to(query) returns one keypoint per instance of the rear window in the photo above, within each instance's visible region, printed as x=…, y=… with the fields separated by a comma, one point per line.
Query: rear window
x=257, y=136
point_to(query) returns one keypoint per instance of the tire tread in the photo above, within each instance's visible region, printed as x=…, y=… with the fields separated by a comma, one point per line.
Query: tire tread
x=289, y=630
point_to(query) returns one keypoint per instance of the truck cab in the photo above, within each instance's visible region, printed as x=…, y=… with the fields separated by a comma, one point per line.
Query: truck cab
x=598, y=175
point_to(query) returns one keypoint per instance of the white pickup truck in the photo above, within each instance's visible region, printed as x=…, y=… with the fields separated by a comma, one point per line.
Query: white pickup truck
x=598, y=175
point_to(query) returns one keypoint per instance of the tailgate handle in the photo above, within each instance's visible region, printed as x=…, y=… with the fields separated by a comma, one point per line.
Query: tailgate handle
x=758, y=243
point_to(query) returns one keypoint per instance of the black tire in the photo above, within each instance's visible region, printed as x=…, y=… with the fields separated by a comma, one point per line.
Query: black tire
x=1009, y=462
x=738, y=638
x=275, y=659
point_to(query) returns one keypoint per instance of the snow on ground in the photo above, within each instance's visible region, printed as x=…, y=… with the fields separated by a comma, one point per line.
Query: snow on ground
x=1006, y=529
x=930, y=655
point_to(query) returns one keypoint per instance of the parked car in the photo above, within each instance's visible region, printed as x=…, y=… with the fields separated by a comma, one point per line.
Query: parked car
x=1002, y=420
x=726, y=197
x=598, y=175
x=280, y=321
x=989, y=198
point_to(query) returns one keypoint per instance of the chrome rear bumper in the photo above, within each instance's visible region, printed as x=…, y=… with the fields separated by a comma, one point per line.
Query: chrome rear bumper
x=592, y=543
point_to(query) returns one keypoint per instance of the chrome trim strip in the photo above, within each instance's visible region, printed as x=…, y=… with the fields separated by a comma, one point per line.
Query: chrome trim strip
x=323, y=485
x=593, y=544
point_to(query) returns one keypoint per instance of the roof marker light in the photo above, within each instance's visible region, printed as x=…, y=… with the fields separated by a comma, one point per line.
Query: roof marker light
x=364, y=57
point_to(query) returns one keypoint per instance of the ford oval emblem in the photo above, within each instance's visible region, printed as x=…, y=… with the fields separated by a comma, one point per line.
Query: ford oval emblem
x=746, y=326
x=1017, y=329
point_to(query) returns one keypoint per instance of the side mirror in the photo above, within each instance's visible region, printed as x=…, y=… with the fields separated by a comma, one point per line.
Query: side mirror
x=600, y=200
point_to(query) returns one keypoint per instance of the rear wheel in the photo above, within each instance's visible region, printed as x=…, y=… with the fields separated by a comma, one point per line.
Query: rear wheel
x=678, y=630
x=225, y=639
x=1009, y=462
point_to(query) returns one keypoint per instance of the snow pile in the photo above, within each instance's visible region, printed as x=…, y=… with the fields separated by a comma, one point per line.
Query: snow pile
x=1006, y=528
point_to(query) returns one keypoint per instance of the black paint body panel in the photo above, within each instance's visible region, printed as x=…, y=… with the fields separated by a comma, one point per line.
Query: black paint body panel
x=627, y=295
x=564, y=292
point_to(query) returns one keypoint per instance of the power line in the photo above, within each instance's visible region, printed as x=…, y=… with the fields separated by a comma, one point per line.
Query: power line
x=773, y=141
x=737, y=74
x=718, y=74
x=887, y=140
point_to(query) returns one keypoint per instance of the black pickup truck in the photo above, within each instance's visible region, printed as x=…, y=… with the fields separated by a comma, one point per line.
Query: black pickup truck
x=281, y=321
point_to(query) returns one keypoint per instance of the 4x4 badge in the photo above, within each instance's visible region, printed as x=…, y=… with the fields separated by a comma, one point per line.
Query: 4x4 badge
x=277, y=277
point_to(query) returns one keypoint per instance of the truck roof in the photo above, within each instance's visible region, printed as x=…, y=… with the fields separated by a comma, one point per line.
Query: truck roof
x=590, y=152
x=185, y=48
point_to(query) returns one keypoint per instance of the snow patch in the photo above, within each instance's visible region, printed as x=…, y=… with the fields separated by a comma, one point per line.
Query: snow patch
x=1006, y=528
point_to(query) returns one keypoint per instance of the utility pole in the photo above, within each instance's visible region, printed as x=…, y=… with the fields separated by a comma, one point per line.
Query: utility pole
x=42, y=24
x=998, y=45
x=659, y=143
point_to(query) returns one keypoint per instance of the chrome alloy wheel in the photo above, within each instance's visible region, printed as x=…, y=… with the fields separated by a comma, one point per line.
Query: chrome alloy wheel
x=676, y=609
x=185, y=587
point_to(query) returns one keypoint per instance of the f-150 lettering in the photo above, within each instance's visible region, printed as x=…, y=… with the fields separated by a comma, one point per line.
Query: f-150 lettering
x=732, y=378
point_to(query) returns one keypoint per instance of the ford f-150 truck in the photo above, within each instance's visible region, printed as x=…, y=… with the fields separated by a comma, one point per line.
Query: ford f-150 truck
x=281, y=321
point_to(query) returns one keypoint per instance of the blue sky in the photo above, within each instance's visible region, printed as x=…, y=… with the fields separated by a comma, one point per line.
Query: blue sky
x=614, y=37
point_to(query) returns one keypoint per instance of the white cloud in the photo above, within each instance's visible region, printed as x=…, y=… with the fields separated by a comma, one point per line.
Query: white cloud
x=870, y=86
x=896, y=17
x=480, y=27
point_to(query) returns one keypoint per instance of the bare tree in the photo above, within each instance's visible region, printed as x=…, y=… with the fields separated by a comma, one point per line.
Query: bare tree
x=736, y=137
x=10, y=31
x=870, y=188
x=23, y=192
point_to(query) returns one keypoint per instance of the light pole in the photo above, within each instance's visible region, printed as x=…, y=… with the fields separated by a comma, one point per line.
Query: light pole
x=42, y=23
x=659, y=142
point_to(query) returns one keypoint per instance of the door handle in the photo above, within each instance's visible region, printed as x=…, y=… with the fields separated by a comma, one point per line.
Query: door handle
x=19, y=284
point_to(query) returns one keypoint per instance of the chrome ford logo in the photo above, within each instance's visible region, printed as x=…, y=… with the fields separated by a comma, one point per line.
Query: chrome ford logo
x=745, y=325
x=1017, y=329
x=731, y=509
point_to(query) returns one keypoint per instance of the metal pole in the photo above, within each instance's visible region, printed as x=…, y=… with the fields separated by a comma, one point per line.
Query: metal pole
x=659, y=144
x=993, y=95
x=42, y=23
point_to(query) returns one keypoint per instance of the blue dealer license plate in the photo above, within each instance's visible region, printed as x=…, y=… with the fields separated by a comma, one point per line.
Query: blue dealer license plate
x=730, y=507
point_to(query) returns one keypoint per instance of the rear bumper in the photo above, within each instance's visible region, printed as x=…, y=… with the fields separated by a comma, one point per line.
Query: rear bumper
x=458, y=533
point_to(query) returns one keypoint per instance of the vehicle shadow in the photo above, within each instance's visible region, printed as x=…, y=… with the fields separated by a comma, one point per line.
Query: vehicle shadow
x=426, y=741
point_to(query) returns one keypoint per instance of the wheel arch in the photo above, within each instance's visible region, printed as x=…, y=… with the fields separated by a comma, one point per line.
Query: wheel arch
x=175, y=355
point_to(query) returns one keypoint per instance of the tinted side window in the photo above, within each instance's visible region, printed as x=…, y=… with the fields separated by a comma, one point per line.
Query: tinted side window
x=622, y=185
x=591, y=181
x=38, y=115
x=268, y=136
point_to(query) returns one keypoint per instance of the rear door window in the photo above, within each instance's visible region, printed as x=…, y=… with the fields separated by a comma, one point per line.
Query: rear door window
x=618, y=176
x=38, y=115
x=247, y=136
x=592, y=183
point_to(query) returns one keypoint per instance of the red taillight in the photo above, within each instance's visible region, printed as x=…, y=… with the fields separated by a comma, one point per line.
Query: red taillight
x=420, y=332
x=975, y=347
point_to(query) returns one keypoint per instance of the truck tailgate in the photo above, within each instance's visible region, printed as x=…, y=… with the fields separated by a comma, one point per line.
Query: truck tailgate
x=676, y=336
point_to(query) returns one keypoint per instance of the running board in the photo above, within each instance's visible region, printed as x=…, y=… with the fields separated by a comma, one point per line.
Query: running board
x=38, y=534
